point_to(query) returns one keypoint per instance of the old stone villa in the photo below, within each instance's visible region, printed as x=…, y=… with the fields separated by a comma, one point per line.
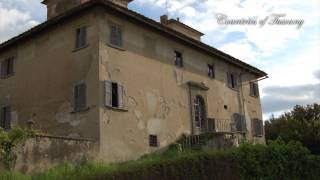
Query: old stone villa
x=97, y=70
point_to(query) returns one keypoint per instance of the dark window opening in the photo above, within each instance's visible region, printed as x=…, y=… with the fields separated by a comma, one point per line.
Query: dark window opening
x=211, y=124
x=211, y=71
x=254, y=89
x=153, y=141
x=178, y=60
x=225, y=107
x=80, y=97
x=81, y=37
x=7, y=67
x=116, y=35
x=5, y=119
x=115, y=95
x=232, y=81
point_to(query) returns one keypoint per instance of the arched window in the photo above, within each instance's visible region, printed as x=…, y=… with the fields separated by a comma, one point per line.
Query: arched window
x=200, y=112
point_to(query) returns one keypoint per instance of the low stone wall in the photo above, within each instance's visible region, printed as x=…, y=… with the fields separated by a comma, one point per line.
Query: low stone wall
x=40, y=153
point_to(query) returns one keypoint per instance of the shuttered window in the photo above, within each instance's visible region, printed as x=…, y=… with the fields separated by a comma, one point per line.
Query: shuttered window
x=232, y=80
x=116, y=35
x=114, y=93
x=211, y=73
x=240, y=123
x=80, y=97
x=7, y=67
x=254, y=90
x=81, y=37
x=178, y=59
x=257, y=127
x=5, y=119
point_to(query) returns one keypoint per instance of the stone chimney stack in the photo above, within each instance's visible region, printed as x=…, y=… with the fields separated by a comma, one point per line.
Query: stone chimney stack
x=56, y=7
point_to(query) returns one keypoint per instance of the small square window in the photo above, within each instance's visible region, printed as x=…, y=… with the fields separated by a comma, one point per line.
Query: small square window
x=81, y=37
x=178, y=59
x=7, y=67
x=211, y=71
x=153, y=141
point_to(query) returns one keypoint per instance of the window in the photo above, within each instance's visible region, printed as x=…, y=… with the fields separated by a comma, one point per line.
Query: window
x=240, y=123
x=80, y=97
x=211, y=71
x=116, y=36
x=178, y=59
x=114, y=93
x=153, y=141
x=5, y=119
x=254, y=90
x=232, y=81
x=211, y=124
x=81, y=37
x=257, y=127
x=7, y=67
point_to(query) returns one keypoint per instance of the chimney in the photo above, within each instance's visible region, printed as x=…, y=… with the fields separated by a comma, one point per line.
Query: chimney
x=177, y=25
x=56, y=7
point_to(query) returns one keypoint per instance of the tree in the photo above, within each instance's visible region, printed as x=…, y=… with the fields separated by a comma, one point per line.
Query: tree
x=301, y=124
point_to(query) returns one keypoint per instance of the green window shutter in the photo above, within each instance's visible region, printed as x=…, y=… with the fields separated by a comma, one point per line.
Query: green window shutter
x=7, y=123
x=119, y=36
x=120, y=96
x=229, y=80
x=252, y=89
x=257, y=90
x=80, y=97
x=108, y=93
x=3, y=70
x=2, y=117
x=5, y=119
x=83, y=36
x=116, y=36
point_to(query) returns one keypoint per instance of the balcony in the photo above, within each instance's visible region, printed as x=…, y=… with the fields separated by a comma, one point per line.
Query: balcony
x=227, y=126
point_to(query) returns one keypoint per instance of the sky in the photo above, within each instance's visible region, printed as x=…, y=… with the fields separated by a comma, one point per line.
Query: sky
x=288, y=53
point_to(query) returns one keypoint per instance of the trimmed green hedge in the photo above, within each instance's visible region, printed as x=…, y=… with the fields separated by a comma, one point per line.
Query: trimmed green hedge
x=274, y=161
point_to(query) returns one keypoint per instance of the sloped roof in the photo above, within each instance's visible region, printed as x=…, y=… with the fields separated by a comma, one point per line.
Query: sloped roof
x=136, y=18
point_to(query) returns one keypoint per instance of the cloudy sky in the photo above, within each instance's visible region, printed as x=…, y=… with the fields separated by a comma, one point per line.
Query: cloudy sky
x=290, y=55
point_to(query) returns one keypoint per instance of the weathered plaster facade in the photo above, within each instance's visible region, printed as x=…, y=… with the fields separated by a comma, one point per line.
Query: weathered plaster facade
x=157, y=95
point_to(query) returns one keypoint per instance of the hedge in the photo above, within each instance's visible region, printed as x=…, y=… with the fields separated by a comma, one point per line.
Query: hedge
x=276, y=160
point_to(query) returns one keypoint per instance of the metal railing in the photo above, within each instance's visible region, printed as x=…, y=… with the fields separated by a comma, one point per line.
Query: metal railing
x=227, y=126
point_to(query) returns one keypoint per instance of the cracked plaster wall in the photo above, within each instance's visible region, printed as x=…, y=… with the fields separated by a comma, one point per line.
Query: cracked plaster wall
x=156, y=95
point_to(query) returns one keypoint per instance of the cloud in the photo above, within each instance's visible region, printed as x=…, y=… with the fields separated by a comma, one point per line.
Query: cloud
x=265, y=41
x=17, y=16
x=283, y=98
x=317, y=75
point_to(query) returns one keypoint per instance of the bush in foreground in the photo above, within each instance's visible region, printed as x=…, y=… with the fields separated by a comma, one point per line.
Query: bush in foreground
x=275, y=161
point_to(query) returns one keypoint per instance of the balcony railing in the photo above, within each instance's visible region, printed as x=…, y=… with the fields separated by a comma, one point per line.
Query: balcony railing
x=227, y=126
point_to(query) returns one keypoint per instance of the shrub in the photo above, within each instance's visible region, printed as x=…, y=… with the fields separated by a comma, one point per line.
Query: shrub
x=9, y=140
